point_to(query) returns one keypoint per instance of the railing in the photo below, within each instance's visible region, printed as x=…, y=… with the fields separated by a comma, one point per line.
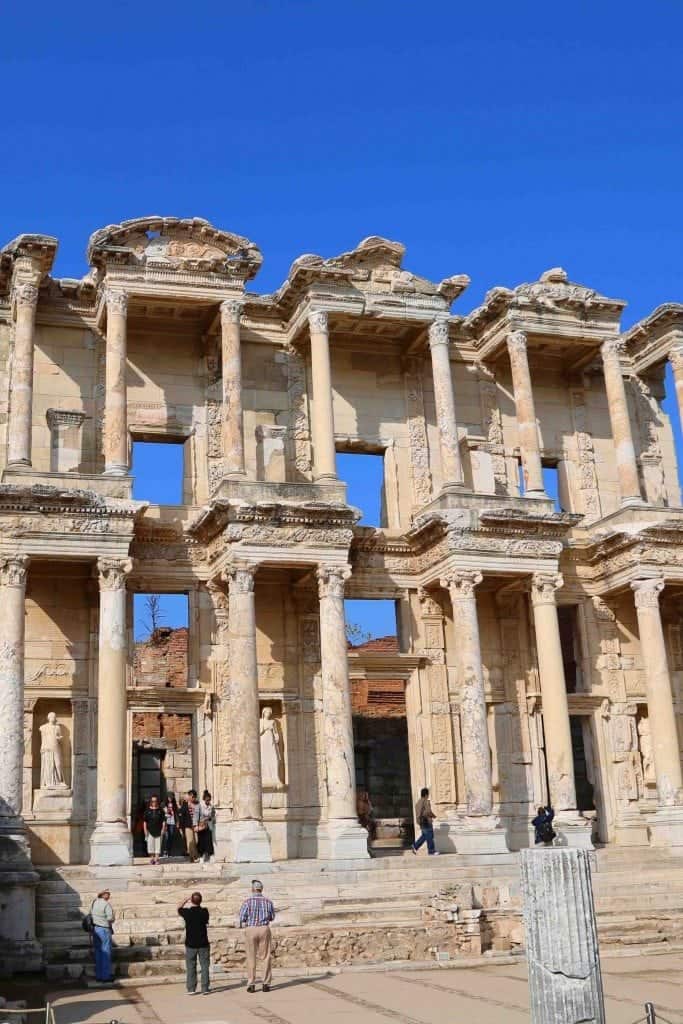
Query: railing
x=46, y=1011
x=651, y=1016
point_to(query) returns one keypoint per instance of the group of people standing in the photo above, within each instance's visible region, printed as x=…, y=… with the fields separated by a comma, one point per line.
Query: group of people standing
x=190, y=826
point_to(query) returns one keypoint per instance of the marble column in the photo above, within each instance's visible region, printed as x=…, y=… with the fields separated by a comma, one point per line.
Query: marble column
x=476, y=752
x=111, y=841
x=660, y=707
x=324, y=457
x=676, y=360
x=556, y=727
x=232, y=428
x=344, y=838
x=627, y=468
x=527, y=426
x=115, y=400
x=565, y=984
x=13, y=573
x=451, y=465
x=21, y=394
x=250, y=841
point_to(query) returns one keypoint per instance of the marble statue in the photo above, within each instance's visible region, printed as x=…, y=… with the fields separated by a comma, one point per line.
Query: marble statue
x=646, y=751
x=271, y=749
x=51, y=770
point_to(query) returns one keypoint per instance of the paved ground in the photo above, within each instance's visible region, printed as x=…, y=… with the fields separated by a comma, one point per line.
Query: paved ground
x=485, y=995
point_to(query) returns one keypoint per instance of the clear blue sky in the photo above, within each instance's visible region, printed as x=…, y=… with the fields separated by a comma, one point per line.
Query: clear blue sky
x=496, y=139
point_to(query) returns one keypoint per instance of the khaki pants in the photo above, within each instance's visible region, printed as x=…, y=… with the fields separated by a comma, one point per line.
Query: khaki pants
x=191, y=841
x=257, y=942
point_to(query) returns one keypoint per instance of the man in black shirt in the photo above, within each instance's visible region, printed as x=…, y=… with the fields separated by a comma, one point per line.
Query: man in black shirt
x=196, y=918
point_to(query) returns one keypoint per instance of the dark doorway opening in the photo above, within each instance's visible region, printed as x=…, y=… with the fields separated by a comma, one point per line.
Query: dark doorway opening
x=581, y=747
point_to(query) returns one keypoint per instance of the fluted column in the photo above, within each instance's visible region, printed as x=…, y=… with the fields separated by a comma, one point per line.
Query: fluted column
x=660, y=706
x=233, y=433
x=324, y=458
x=21, y=393
x=627, y=468
x=115, y=400
x=345, y=837
x=451, y=465
x=565, y=984
x=111, y=841
x=250, y=841
x=476, y=752
x=526, y=415
x=558, y=739
x=13, y=573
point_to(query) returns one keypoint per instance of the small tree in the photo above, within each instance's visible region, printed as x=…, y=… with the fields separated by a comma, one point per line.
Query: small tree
x=356, y=635
x=154, y=614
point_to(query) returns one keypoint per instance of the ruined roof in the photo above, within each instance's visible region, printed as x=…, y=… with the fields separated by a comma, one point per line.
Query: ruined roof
x=377, y=645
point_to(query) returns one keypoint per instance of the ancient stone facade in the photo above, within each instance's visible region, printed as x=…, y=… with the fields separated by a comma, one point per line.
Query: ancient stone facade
x=500, y=595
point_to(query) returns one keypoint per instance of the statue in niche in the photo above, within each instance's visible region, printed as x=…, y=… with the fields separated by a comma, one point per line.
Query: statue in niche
x=51, y=738
x=645, y=738
x=271, y=750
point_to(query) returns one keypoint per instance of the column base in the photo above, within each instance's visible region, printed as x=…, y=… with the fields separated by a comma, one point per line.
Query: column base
x=116, y=470
x=476, y=835
x=632, y=502
x=630, y=829
x=325, y=478
x=573, y=831
x=666, y=826
x=111, y=844
x=18, y=463
x=250, y=842
x=341, y=839
x=535, y=494
x=19, y=949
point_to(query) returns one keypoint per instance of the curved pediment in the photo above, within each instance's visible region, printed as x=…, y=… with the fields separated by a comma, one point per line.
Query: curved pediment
x=190, y=243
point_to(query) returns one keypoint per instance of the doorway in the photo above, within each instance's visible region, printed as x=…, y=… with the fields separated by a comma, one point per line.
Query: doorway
x=582, y=749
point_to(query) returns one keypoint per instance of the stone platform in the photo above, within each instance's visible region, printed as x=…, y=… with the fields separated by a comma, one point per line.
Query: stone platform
x=332, y=913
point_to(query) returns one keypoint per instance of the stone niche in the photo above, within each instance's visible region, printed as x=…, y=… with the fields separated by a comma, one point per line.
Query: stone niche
x=274, y=773
x=49, y=802
x=65, y=439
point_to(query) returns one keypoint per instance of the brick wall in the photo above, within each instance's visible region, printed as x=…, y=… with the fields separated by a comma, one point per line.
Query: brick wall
x=162, y=660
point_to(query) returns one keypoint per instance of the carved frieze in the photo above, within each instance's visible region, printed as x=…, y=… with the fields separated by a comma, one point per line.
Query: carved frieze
x=417, y=432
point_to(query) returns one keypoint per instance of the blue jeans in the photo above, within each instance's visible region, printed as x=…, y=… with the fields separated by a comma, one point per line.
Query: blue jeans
x=426, y=836
x=167, y=842
x=101, y=940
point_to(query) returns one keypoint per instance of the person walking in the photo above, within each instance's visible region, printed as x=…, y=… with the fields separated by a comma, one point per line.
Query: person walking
x=425, y=818
x=170, y=810
x=189, y=820
x=256, y=914
x=102, y=914
x=207, y=813
x=196, y=918
x=154, y=825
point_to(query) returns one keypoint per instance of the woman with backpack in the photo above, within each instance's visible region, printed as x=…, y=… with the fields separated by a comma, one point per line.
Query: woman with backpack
x=543, y=826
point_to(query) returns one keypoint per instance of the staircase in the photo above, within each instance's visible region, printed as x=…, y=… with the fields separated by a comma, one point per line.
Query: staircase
x=330, y=913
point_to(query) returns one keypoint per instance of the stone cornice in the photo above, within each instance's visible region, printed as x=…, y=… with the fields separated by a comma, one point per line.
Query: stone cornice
x=55, y=501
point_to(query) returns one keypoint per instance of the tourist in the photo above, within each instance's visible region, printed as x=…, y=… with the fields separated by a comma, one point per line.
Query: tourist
x=543, y=827
x=138, y=830
x=102, y=914
x=207, y=813
x=154, y=826
x=197, y=945
x=425, y=819
x=188, y=817
x=256, y=914
x=170, y=810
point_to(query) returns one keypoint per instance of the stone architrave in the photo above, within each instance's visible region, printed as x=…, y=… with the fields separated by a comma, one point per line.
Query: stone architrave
x=451, y=464
x=13, y=573
x=111, y=842
x=527, y=426
x=232, y=429
x=661, y=713
x=250, y=840
x=115, y=398
x=622, y=435
x=21, y=392
x=565, y=982
x=324, y=457
x=556, y=726
x=345, y=837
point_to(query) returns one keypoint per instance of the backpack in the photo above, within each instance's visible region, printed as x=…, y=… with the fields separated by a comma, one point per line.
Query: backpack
x=87, y=923
x=547, y=832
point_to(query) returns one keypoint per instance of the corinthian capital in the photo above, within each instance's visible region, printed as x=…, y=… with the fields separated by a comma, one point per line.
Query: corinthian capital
x=317, y=321
x=516, y=343
x=438, y=332
x=461, y=584
x=544, y=585
x=13, y=570
x=117, y=300
x=676, y=358
x=611, y=348
x=331, y=580
x=231, y=311
x=26, y=294
x=647, y=592
x=241, y=579
x=112, y=572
